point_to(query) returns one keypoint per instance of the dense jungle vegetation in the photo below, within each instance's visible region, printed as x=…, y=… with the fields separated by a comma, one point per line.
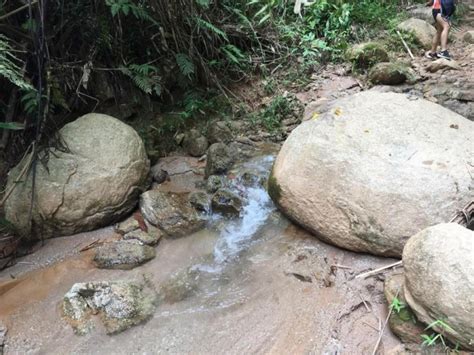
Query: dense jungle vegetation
x=61, y=58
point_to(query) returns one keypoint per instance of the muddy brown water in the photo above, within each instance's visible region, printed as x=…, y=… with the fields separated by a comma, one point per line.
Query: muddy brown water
x=278, y=291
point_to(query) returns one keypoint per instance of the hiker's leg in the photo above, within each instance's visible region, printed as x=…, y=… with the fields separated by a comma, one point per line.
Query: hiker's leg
x=445, y=31
x=436, y=38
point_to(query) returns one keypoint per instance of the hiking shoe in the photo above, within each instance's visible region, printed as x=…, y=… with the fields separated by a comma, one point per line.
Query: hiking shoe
x=445, y=55
x=431, y=55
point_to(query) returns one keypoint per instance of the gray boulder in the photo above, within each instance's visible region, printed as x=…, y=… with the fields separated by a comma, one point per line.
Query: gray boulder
x=219, y=159
x=171, y=212
x=195, y=143
x=422, y=30
x=93, y=183
x=120, y=305
x=123, y=255
x=439, y=280
x=391, y=74
x=367, y=174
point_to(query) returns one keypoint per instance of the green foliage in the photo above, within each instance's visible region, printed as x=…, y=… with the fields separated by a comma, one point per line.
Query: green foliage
x=145, y=77
x=435, y=338
x=14, y=126
x=126, y=7
x=185, y=65
x=272, y=115
x=397, y=305
x=9, y=67
x=205, y=25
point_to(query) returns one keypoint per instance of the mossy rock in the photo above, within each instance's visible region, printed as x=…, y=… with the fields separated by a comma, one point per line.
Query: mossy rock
x=391, y=74
x=403, y=322
x=365, y=55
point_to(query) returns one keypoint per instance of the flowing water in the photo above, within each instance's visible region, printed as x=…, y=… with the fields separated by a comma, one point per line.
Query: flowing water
x=251, y=284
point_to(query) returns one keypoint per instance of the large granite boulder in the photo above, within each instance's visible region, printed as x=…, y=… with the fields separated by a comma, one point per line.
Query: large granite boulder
x=439, y=280
x=94, y=180
x=374, y=170
x=422, y=30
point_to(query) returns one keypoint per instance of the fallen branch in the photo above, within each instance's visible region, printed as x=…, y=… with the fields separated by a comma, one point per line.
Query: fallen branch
x=379, y=270
x=406, y=45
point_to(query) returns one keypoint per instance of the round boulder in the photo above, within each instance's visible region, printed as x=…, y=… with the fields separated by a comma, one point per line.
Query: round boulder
x=439, y=280
x=94, y=181
x=364, y=55
x=390, y=74
x=422, y=30
x=374, y=170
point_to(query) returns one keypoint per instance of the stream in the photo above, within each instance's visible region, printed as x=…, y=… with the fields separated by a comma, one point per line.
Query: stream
x=251, y=284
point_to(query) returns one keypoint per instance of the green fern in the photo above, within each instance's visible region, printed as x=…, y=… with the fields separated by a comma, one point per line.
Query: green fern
x=185, y=65
x=126, y=7
x=145, y=77
x=233, y=54
x=9, y=68
x=203, y=24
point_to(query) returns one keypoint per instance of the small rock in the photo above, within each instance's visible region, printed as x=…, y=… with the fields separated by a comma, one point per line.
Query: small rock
x=214, y=183
x=390, y=74
x=159, y=175
x=219, y=132
x=226, y=202
x=250, y=179
x=119, y=304
x=171, y=212
x=123, y=255
x=143, y=237
x=469, y=37
x=403, y=323
x=127, y=226
x=219, y=159
x=442, y=63
x=364, y=55
x=200, y=201
x=195, y=143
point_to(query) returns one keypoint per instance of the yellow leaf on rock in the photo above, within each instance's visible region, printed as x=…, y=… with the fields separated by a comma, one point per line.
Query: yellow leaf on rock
x=315, y=116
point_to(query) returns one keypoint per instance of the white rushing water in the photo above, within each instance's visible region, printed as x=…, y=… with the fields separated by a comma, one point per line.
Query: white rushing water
x=238, y=234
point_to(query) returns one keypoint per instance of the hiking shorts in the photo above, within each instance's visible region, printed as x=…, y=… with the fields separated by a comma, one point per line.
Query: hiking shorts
x=447, y=10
